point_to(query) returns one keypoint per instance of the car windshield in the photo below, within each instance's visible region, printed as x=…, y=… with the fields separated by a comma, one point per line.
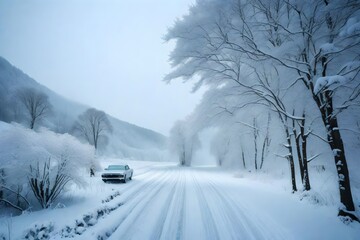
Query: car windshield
x=115, y=167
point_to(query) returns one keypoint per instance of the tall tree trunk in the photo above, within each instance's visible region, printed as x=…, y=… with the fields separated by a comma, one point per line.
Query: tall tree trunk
x=243, y=158
x=305, y=173
x=290, y=157
x=263, y=152
x=337, y=146
x=301, y=149
x=255, y=144
x=32, y=123
x=306, y=180
x=219, y=161
x=266, y=143
x=324, y=101
x=298, y=149
x=182, y=156
x=325, y=104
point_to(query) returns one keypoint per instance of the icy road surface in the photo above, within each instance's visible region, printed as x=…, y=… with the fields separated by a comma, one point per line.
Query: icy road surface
x=169, y=202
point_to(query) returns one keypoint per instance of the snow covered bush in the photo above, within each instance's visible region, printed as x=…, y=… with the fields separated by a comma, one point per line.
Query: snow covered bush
x=38, y=232
x=42, y=162
x=47, y=183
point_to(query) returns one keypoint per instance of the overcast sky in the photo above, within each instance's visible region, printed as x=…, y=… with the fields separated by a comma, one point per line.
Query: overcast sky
x=108, y=54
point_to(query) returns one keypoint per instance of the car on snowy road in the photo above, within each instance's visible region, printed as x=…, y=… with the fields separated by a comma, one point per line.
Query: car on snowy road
x=116, y=173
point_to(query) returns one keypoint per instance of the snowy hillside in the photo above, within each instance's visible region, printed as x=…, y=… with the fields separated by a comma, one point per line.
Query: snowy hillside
x=127, y=140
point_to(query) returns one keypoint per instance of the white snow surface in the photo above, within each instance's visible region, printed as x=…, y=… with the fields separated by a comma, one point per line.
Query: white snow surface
x=164, y=201
x=351, y=27
x=330, y=82
x=328, y=48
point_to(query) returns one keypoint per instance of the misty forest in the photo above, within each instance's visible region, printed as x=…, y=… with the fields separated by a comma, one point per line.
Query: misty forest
x=271, y=150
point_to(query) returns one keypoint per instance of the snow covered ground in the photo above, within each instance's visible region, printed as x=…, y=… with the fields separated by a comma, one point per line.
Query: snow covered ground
x=164, y=201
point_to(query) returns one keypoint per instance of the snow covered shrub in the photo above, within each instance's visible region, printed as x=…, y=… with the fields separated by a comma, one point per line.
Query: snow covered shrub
x=32, y=161
x=313, y=197
x=87, y=220
x=38, y=232
x=47, y=183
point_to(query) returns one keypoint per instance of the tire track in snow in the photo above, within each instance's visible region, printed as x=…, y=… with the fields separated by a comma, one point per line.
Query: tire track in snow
x=190, y=202
x=181, y=221
x=211, y=230
x=145, y=213
x=174, y=220
x=236, y=226
x=110, y=206
x=132, y=206
x=225, y=216
x=254, y=226
x=158, y=231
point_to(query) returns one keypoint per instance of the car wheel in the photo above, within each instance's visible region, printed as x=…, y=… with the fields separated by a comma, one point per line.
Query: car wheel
x=125, y=179
x=130, y=178
x=104, y=181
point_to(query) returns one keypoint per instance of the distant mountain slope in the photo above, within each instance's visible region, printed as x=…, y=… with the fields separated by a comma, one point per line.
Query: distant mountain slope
x=127, y=140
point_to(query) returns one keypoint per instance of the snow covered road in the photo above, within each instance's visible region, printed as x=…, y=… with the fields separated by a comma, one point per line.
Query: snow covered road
x=168, y=202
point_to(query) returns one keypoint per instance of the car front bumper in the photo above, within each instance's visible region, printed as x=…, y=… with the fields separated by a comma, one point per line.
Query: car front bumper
x=112, y=177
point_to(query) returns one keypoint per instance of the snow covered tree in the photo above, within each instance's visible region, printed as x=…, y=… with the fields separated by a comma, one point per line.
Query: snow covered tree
x=301, y=137
x=220, y=147
x=183, y=142
x=273, y=50
x=321, y=33
x=36, y=104
x=93, y=125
